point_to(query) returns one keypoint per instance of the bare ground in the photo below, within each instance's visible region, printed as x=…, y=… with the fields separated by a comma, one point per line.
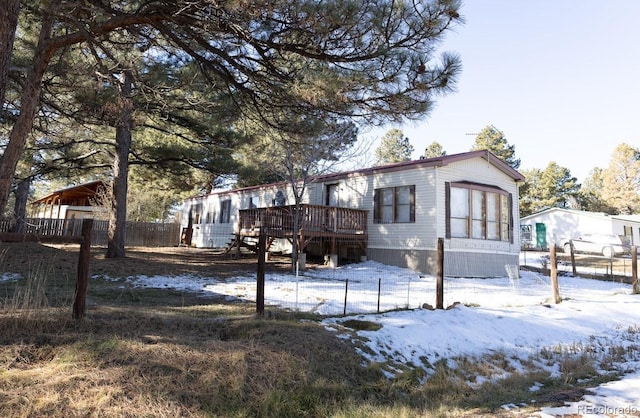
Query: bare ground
x=174, y=261
x=161, y=353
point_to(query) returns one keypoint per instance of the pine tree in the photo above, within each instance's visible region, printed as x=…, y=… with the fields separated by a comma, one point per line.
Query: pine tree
x=590, y=196
x=552, y=187
x=621, y=180
x=394, y=148
x=434, y=150
x=372, y=61
x=492, y=139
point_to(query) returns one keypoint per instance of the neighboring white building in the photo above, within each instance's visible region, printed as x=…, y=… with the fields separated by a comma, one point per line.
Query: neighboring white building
x=548, y=227
x=470, y=200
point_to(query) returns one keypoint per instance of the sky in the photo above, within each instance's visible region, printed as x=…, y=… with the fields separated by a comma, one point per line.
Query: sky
x=512, y=316
x=560, y=79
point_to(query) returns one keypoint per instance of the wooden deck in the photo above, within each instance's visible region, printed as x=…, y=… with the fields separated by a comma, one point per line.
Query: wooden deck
x=316, y=222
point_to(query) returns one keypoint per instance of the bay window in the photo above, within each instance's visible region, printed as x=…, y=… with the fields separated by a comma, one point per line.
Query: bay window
x=478, y=211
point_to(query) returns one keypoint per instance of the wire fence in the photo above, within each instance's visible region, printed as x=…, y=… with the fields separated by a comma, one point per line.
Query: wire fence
x=340, y=295
x=371, y=287
x=347, y=292
x=587, y=265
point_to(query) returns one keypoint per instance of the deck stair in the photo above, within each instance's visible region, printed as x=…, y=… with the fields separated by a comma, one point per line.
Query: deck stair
x=242, y=245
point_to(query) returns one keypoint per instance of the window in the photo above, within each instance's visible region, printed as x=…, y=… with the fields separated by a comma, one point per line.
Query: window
x=210, y=218
x=280, y=199
x=628, y=232
x=225, y=211
x=478, y=211
x=394, y=205
x=196, y=213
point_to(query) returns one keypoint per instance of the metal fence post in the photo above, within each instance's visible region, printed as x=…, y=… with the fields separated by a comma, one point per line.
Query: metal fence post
x=440, y=275
x=346, y=289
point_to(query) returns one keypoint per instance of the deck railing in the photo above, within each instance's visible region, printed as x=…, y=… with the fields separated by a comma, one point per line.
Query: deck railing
x=278, y=220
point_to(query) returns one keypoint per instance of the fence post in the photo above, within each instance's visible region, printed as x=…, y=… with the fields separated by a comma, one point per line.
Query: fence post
x=634, y=270
x=346, y=290
x=262, y=246
x=440, y=275
x=573, y=260
x=79, y=304
x=554, y=274
x=379, y=290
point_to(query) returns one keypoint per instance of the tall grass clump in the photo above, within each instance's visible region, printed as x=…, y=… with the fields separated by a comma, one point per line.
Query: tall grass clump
x=26, y=305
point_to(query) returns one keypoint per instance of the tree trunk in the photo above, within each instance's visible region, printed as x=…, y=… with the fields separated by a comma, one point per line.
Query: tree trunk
x=118, y=211
x=30, y=100
x=20, y=206
x=8, y=24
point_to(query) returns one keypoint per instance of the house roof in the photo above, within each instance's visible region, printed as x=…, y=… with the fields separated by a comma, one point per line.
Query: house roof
x=626, y=218
x=388, y=168
x=73, y=195
x=432, y=162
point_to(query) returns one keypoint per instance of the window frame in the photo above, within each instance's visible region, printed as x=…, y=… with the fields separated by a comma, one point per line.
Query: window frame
x=225, y=211
x=394, y=210
x=481, y=222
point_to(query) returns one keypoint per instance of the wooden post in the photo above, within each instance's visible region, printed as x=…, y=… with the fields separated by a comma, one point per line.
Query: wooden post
x=79, y=305
x=554, y=274
x=573, y=260
x=440, y=275
x=634, y=270
x=262, y=247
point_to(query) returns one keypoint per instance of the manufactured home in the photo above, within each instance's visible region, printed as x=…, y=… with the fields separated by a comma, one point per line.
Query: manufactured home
x=393, y=214
x=550, y=226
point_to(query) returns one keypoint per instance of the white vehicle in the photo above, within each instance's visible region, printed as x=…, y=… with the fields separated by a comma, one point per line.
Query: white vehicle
x=609, y=245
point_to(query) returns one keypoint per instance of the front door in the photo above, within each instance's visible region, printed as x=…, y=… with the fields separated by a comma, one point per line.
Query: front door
x=333, y=197
x=541, y=236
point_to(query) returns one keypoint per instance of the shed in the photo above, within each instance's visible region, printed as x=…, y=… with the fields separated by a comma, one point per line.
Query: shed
x=71, y=202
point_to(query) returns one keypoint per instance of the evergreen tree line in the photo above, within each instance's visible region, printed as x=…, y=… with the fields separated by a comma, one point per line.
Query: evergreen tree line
x=614, y=190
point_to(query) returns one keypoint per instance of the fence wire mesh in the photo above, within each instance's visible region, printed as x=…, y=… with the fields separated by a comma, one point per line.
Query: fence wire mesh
x=585, y=264
x=341, y=291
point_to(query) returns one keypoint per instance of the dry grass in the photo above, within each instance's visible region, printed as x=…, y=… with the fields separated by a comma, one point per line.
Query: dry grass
x=162, y=353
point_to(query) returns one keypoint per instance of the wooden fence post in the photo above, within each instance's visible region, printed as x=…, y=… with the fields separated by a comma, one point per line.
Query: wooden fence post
x=574, y=269
x=554, y=274
x=79, y=304
x=440, y=275
x=262, y=246
x=634, y=270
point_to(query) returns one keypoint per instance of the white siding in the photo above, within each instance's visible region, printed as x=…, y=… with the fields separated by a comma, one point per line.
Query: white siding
x=411, y=244
x=418, y=235
x=565, y=223
x=216, y=234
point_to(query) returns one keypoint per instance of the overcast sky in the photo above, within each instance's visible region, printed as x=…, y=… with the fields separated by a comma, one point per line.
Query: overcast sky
x=560, y=78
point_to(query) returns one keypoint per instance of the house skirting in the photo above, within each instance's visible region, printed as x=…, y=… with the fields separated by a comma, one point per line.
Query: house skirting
x=456, y=264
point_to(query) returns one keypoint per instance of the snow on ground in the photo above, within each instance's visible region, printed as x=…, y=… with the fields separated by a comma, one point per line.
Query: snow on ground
x=510, y=316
